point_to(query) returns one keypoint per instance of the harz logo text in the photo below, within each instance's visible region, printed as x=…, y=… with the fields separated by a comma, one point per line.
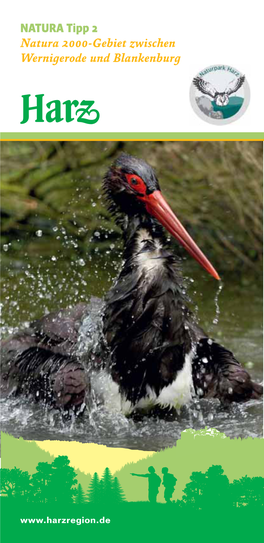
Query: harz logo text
x=57, y=111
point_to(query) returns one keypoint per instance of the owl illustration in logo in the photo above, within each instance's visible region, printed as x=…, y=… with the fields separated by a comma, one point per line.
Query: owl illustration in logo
x=221, y=98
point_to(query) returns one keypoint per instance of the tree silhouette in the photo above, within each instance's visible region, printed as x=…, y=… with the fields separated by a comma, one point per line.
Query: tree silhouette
x=108, y=490
x=63, y=479
x=80, y=498
x=118, y=493
x=192, y=494
x=55, y=483
x=217, y=486
x=247, y=491
x=40, y=482
x=10, y=481
x=257, y=491
x=107, y=482
x=94, y=490
x=23, y=486
x=210, y=489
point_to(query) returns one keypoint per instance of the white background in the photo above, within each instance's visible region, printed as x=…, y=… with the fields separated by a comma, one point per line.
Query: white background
x=142, y=97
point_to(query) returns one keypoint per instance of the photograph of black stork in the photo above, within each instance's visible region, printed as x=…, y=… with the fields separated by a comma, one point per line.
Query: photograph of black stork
x=150, y=346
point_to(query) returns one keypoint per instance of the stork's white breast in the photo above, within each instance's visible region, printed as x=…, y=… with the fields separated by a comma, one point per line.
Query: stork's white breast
x=177, y=394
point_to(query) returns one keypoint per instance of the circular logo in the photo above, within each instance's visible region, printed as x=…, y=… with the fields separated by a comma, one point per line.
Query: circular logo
x=220, y=94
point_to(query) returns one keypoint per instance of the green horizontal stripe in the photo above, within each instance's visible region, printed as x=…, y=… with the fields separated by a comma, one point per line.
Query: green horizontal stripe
x=132, y=135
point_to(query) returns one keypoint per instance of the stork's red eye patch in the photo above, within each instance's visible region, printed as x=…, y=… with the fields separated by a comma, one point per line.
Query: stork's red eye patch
x=136, y=183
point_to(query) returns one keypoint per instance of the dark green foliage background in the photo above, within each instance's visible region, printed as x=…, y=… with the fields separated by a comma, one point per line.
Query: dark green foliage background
x=214, y=187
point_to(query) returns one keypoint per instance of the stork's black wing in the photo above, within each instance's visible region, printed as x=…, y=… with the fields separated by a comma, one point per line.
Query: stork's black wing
x=217, y=374
x=41, y=361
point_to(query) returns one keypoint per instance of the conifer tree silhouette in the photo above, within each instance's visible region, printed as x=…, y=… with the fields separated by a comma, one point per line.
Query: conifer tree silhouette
x=118, y=493
x=106, y=486
x=101, y=489
x=80, y=497
x=94, y=490
x=106, y=490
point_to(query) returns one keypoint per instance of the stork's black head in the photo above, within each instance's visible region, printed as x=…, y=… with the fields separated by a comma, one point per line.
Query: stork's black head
x=132, y=188
x=126, y=183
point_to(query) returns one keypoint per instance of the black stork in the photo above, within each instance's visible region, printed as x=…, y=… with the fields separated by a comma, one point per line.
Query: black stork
x=150, y=347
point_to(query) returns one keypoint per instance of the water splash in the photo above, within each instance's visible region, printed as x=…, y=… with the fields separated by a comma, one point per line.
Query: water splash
x=67, y=281
x=216, y=301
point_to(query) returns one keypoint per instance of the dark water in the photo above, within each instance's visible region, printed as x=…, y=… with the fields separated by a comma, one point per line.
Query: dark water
x=31, y=288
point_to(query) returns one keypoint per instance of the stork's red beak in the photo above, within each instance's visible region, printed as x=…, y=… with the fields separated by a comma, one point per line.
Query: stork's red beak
x=157, y=206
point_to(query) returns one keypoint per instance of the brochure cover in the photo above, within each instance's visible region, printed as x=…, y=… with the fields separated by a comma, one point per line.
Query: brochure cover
x=131, y=277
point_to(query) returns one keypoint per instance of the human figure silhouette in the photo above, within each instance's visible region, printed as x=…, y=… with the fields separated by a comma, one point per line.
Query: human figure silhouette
x=153, y=483
x=169, y=482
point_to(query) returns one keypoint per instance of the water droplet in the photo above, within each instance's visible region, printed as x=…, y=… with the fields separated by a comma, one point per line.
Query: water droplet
x=200, y=417
x=39, y=233
x=249, y=365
